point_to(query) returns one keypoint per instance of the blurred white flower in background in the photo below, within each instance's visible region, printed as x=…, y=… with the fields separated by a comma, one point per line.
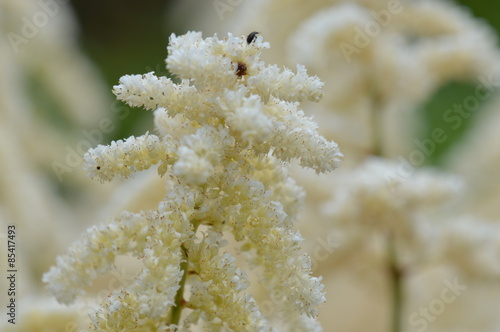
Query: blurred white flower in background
x=42, y=72
x=477, y=157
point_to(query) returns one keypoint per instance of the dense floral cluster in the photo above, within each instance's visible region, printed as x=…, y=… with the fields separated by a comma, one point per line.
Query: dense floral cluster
x=225, y=132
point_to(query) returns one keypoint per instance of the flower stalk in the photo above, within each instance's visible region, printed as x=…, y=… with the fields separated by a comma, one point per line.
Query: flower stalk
x=175, y=314
x=394, y=272
x=396, y=284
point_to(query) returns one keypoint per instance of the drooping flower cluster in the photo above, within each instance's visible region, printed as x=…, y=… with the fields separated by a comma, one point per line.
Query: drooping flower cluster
x=226, y=131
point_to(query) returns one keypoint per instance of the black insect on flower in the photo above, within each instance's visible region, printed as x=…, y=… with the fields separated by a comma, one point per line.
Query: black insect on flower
x=251, y=37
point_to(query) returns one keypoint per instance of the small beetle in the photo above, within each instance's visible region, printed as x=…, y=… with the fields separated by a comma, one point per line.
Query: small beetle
x=251, y=37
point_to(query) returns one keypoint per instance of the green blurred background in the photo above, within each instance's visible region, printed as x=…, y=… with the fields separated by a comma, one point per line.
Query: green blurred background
x=130, y=37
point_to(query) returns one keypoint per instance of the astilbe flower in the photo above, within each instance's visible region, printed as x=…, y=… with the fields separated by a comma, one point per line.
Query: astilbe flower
x=225, y=132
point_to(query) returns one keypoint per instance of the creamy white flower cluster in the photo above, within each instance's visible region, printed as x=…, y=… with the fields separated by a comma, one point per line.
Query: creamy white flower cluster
x=375, y=203
x=225, y=132
x=471, y=245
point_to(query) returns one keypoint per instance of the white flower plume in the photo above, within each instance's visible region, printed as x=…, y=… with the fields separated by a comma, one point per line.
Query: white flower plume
x=225, y=134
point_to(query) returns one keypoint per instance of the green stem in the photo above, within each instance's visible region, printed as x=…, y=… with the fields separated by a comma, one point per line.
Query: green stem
x=395, y=273
x=180, y=303
x=396, y=281
x=377, y=129
x=175, y=314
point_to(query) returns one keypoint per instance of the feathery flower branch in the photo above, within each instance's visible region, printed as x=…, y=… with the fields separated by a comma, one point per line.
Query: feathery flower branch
x=225, y=134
